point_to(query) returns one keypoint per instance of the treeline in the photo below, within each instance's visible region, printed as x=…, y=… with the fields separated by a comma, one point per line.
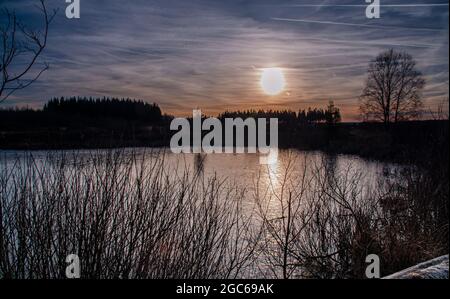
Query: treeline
x=330, y=115
x=128, y=109
x=112, y=122
x=84, y=112
x=84, y=123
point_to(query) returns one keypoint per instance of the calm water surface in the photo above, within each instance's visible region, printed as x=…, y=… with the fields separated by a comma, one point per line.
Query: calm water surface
x=241, y=169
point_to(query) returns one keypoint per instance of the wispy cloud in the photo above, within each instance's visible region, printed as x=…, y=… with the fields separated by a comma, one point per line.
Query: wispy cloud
x=365, y=5
x=359, y=25
x=209, y=53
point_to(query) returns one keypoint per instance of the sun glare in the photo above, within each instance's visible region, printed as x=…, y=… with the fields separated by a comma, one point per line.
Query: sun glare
x=272, y=81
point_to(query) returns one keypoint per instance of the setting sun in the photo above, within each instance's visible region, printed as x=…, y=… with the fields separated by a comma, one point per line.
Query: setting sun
x=272, y=81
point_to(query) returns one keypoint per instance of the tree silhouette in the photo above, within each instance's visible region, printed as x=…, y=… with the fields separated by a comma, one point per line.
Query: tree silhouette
x=20, y=48
x=113, y=108
x=332, y=114
x=393, y=89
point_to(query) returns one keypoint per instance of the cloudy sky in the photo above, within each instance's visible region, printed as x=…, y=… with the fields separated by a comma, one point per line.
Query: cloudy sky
x=209, y=54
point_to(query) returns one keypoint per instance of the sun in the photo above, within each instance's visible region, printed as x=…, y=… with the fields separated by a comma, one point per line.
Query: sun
x=272, y=81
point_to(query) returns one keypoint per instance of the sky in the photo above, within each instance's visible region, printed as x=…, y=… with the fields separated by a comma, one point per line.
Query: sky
x=209, y=54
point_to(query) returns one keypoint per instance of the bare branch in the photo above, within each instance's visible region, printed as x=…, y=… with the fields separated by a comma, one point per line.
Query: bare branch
x=16, y=40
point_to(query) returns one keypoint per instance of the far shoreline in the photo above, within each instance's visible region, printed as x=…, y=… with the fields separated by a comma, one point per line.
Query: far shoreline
x=404, y=142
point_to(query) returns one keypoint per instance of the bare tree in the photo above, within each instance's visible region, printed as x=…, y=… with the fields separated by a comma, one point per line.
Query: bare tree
x=441, y=112
x=19, y=51
x=393, y=88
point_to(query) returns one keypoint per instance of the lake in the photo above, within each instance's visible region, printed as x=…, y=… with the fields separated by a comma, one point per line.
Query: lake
x=242, y=169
